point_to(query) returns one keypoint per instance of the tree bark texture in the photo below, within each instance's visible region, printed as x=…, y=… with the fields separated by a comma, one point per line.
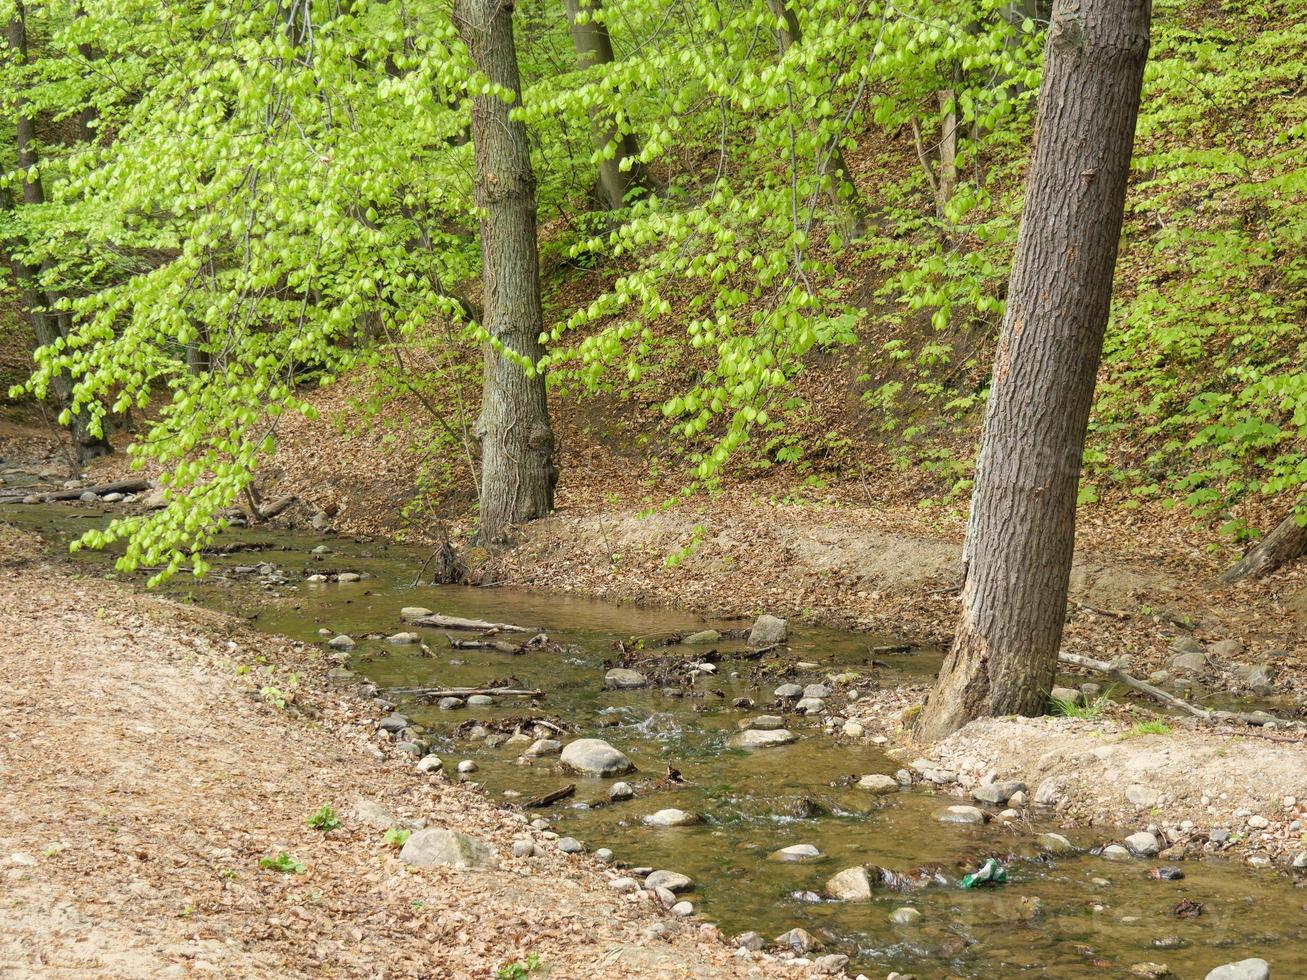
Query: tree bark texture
x=518, y=473
x=595, y=47
x=1017, y=558
x=1286, y=542
x=48, y=325
x=837, y=181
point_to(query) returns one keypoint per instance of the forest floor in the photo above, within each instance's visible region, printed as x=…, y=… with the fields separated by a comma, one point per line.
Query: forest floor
x=143, y=779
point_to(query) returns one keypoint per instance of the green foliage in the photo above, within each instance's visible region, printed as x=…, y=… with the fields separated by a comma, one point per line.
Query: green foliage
x=283, y=863
x=1090, y=711
x=396, y=836
x=520, y=969
x=1155, y=727
x=324, y=818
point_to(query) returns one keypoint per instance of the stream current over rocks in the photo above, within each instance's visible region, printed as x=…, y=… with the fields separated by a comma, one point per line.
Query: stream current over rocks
x=760, y=831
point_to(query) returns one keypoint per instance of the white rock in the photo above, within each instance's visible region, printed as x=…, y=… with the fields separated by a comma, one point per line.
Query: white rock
x=671, y=817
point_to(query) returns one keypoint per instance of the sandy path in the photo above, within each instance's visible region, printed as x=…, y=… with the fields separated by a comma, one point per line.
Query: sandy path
x=142, y=779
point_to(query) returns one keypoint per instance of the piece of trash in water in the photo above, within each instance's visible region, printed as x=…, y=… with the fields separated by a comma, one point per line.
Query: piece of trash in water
x=1166, y=874
x=1187, y=909
x=989, y=873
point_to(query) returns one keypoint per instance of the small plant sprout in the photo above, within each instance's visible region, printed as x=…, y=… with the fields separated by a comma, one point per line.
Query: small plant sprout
x=520, y=969
x=283, y=863
x=1090, y=711
x=324, y=818
x=396, y=836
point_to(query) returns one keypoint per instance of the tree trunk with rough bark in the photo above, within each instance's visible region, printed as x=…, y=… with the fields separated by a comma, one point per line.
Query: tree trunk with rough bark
x=48, y=325
x=1285, y=543
x=595, y=47
x=837, y=179
x=517, y=444
x=1016, y=563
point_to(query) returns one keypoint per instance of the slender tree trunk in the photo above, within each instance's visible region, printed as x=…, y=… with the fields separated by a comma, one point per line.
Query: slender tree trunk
x=837, y=180
x=518, y=473
x=1286, y=542
x=1017, y=558
x=47, y=324
x=595, y=47
x=948, y=144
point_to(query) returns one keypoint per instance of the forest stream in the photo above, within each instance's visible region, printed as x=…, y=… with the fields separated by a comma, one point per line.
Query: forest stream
x=1064, y=915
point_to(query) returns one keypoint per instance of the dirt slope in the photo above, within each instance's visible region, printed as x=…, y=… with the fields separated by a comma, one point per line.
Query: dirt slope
x=142, y=779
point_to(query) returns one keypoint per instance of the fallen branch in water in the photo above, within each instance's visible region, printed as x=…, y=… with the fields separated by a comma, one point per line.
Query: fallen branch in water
x=539, y=641
x=117, y=486
x=459, y=623
x=548, y=798
x=1211, y=717
x=464, y=692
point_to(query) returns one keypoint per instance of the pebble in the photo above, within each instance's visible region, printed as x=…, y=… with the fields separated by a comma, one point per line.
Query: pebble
x=1258, y=822
x=683, y=909
x=852, y=729
x=604, y=855
x=570, y=845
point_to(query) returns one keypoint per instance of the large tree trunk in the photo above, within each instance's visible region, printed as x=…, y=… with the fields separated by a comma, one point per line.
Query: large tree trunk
x=518, y=473
x=47, y=324
x=1286, y=542
x=1017, y=560
x=837, y=180
x=595, y=47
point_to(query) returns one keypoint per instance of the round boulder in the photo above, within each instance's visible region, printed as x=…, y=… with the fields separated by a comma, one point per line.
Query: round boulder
x=595, y=757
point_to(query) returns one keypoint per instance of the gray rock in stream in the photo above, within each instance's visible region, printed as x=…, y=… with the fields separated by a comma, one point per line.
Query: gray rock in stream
x=702, y=637
x=449, y=704
x=623, y=679
x=404, y=638
x=394, y=723
x=673, y=881
x=753, y=739
x=620, y=791
x=341, y=642
x=878, y=784
x=1250, y=969
x=410, y=613
x=850, y=885
x=480, y=701
x=997, y=793
x=810, y=706
x=766, y=723
x=595, y=757
x=818, y=691
x=790, y=692
x=768, y=630
x=570, y=845
x=961, y=814
x=542, y=747
x=671, y=817
x=436, y=847
x=89, y=497
x=795, y=852
x=1142, y=844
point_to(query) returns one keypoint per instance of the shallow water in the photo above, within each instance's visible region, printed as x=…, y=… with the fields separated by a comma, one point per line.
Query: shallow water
x=1052, y=919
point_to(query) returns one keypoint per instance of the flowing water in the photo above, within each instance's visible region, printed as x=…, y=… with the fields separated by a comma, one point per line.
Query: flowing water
x=1070, y=916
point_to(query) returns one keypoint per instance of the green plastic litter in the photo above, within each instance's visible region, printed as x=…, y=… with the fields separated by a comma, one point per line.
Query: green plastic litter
x=989, y=873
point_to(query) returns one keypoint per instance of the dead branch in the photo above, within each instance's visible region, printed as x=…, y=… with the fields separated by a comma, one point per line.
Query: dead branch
x=459, y=623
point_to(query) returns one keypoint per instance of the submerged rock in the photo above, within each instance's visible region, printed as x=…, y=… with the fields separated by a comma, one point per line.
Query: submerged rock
x=703, y=636
x=620, y=791
x=449, y=848
x=402, y=637
x=850, y=885
x=878, y=784
x=766, y=723
x=1055, y=844
x=905, y=916
x=1250, y=969
x=795, y=852
x=961, y=814
x=542, y=747
x=799, y=940
x=341, y=642
x=753, y=739
x=595, y=757
x=622, y=679
x=410, y=613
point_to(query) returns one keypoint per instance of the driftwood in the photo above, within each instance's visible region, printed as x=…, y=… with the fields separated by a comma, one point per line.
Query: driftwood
x=464, y=692
x=548, y=798
x=502, y=646
x=1203, y=714
x=117, y=486
x=459, y=623
x=1286, y=542
x=273, y=509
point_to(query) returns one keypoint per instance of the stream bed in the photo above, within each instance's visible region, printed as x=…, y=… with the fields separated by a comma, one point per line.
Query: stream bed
x=1067, y=916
